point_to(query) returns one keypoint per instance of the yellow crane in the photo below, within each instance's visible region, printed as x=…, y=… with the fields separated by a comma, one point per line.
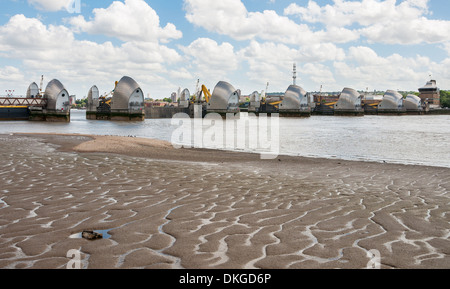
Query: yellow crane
x=330, y=104
x=275, y=104
x=373, y=105
x=198, y=97
x=206, y=93
x=105, y=100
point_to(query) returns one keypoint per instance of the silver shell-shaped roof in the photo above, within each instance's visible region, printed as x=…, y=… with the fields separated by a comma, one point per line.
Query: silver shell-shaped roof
x=185, y=95
x=57, y=96
x=224, y=97
x=255, y=101
x=349, y=99
x=294, y=99
x=93, y=98
x=392, y=100
x=33, y=90
x=412, y=102
x=125, y=88
x=254, y=97
x=371, y=96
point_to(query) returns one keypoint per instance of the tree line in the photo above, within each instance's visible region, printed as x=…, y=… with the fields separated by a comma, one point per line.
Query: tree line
x=445, y=98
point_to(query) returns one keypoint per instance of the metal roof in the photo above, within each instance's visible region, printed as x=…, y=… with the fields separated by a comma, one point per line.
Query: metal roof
x=54, y=90
x=349, y=99
x=224, y=97
x=294, y=98
x=185, y=95
x=412, y=102
x=93, y=98
x=122, y=93
x=392, y=100
x=33, y=90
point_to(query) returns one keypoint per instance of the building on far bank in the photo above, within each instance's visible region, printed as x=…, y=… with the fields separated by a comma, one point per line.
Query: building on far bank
x=72, y=99
x=430, y=94
x=158, y=103
x=174, y=97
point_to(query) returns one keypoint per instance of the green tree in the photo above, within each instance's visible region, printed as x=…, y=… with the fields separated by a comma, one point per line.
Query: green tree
x=80, y=103
x=445, y=98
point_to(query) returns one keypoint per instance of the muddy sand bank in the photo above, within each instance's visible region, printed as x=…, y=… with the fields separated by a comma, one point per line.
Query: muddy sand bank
x=187, y=208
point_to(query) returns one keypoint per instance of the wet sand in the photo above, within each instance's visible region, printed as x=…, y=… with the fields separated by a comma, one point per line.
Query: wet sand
x=188, y=208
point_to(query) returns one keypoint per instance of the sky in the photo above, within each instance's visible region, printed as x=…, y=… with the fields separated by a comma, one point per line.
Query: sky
x=167, y=45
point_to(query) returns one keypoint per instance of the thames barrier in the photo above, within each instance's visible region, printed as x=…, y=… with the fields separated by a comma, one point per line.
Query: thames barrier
x=52, y=105
x=125, y=102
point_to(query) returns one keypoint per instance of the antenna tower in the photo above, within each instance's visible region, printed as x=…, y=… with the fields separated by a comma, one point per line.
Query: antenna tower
x=41, y=92
x=294, y=74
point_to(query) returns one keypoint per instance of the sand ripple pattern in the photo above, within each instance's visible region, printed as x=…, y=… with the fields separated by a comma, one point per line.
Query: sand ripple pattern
x=198, y=215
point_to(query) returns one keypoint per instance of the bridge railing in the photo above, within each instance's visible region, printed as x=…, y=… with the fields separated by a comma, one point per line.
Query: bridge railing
x=20, y=101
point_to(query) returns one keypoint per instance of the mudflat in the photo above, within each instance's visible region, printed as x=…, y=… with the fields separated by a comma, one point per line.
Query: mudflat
x=161, y=207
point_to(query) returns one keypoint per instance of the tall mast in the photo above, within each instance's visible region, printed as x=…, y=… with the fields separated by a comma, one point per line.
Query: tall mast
x=294, y=74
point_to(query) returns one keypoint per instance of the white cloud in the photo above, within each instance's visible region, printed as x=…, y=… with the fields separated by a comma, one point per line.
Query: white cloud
x=232, y=18
x=51, y=5
x=379, y=21
x=31, y=34
x=211, y=60
x=10, y=74
x=11, y=78
x=273, y=62
x=223, y=17
x=365, y=56
x=132, y=20
x=413, y=31
x=319, y=74
x=363, y=67
x=54, y=51
x=266, y=46
x=446, y=47
x=343, y=13
x=320, y=52
x=30, y=39
x=268, y=62
x=181, y=73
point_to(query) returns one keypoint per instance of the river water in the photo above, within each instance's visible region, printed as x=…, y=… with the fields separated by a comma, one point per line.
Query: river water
x=420, y=140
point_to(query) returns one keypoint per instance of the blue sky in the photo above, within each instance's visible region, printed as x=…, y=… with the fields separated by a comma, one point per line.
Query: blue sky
x=164, y=45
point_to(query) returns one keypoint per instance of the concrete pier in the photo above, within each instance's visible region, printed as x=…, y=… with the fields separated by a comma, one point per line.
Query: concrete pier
x=295, y=113
x=125, y=104
x=349, y=112
x=48, y=115
x=164, y=112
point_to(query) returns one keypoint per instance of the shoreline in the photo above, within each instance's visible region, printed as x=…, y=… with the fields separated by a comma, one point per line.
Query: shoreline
x=172, y=208
x=164, y=150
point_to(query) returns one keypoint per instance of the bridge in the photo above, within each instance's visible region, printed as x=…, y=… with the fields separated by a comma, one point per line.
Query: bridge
x=22, y=101
x=53, y=105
